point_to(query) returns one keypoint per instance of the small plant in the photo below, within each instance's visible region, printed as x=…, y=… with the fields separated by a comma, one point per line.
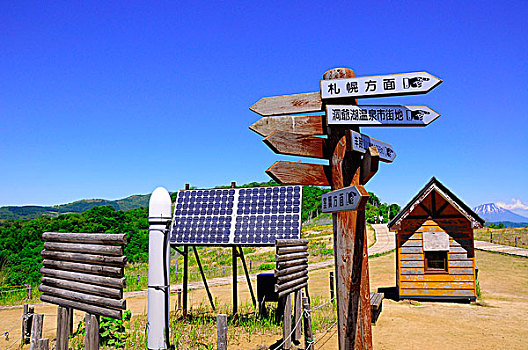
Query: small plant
x=111, y=332
x=266, y=266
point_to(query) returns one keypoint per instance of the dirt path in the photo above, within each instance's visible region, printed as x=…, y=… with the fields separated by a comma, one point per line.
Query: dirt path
x=499, y=322
x=492, y=247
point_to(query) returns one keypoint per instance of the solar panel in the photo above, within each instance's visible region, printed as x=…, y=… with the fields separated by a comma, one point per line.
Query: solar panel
x=245, y=216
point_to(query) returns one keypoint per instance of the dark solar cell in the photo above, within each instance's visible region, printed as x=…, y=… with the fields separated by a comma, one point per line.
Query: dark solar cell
x=261, y=215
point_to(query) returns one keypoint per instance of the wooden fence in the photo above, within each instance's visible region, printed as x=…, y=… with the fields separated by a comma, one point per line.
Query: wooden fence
x=83, y=271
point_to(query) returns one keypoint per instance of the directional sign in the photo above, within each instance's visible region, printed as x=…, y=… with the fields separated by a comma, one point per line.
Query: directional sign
x=288, y=104
x=284, y=142
x=345, y=199
x=299, y=124
x=293, y=173
x=360, y=143
x=380, y=115
x=380, y=85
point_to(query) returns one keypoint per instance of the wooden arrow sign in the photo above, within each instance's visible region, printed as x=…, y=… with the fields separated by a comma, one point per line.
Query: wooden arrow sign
x=380, y=85
x=380, y=115
x=360, y=143
x=299, y=173
x=345, y=199
x=298, y=124
x=288, y=104
x=283, y=142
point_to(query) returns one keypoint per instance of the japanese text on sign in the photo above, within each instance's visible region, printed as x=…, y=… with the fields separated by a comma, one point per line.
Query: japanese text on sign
x=341, y=200
x=395, y=84
x=380, y=115
x=361, y=143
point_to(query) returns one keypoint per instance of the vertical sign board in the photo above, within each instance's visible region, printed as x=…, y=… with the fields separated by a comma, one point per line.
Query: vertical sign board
x=344, y=199
x=379, y=85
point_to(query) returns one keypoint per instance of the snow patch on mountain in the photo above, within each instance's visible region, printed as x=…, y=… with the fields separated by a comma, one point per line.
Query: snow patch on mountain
x=492, y=212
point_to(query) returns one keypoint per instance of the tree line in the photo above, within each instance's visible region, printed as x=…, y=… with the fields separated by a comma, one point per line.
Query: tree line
x=21, y=239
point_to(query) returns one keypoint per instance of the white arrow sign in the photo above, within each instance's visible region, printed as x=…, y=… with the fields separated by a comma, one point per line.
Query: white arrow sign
x=361, y=142
x=380, y=115
x=380, y=85
x=349, y=198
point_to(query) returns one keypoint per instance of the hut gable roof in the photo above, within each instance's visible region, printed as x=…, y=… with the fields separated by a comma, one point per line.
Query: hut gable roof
x=450, y=197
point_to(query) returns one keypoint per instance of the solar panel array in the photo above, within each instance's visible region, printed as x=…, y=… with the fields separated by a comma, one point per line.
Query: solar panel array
x=245, y=216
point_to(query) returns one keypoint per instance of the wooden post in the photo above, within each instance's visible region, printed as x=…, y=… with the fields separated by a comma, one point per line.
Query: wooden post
x=247, y=277
x=62, y=329
x=36, y=331
x=29, y=292
x=308, y=333
x=296, y=316
x=91, y=339
x=332, y=284
x=178, y=303
x=42, y=344
x=221, y=331
x=350, y=248
x=185, y=278
x=25, y=329
x=203, y=277
x=70, y=321
x=287, y=324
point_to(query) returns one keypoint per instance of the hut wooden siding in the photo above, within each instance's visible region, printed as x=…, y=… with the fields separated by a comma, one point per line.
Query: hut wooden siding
x=435, y=209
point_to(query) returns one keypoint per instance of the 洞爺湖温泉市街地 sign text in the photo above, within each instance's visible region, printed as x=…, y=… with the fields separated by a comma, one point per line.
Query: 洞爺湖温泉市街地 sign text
x=380, y=115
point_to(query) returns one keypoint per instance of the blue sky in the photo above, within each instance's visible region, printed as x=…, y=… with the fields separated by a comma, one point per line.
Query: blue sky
x=109, y=99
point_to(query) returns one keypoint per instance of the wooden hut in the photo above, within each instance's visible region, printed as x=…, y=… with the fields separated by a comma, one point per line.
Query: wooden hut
x=434, y=246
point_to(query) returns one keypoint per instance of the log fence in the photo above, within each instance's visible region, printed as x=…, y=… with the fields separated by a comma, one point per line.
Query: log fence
x=83, y=271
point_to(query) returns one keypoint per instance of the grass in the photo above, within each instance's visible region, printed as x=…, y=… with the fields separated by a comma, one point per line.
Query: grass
x=199, y=331
x=504, y=236
x=16, y=295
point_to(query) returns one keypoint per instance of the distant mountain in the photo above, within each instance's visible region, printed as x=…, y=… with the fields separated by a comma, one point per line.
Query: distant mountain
x=34, y=211
x=495, y=214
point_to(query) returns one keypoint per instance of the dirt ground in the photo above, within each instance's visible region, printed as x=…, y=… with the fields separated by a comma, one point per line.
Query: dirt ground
x=498, y=321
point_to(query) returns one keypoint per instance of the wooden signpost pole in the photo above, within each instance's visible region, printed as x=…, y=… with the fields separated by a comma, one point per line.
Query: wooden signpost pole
x=354, y=159
x=350, y=248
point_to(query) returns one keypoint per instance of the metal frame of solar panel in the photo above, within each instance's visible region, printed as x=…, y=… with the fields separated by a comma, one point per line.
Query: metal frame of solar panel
x=237, y=216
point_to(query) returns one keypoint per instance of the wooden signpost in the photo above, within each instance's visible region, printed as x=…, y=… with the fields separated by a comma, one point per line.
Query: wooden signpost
x=353, y=160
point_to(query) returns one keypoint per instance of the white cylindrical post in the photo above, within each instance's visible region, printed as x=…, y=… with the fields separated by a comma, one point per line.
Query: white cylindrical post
x=159, y=268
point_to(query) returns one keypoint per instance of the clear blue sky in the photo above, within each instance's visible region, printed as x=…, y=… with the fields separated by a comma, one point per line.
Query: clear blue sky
x=109, y=99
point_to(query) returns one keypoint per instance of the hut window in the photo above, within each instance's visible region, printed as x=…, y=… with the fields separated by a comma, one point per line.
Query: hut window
x=436, y=261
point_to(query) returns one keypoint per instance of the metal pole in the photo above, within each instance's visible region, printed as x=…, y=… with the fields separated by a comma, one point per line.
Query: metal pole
x=158, y=273
x=235, y=289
